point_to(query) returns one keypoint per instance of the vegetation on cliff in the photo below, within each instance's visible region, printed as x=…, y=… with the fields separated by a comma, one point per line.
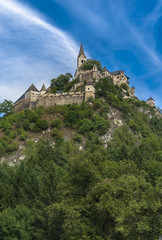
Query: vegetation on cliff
x=79, y=187
x=89, y=63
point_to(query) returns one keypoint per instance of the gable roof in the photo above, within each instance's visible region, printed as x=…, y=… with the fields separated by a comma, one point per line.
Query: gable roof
x=81, y=52
x=31, y=88
x=43, y=88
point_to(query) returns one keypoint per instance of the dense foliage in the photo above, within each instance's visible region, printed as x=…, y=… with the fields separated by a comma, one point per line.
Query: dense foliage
x=6, y=107
x=61, y=83
x=89, y=63
x=63, y=192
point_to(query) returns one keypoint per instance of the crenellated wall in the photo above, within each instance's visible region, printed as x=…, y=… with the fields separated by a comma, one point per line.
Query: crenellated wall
x=48, y=100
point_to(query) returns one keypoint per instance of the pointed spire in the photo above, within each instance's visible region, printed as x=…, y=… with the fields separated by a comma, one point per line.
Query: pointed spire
x=43, y=88
x=81, y=51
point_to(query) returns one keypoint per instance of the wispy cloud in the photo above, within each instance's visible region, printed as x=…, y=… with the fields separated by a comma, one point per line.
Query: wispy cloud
x=32, y=50
x=112, y=22
x=152, y=17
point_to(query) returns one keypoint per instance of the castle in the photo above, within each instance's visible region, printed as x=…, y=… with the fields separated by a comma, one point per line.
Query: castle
x=33, y=98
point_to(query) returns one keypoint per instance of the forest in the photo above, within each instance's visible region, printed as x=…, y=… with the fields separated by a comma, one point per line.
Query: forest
x=78, y=187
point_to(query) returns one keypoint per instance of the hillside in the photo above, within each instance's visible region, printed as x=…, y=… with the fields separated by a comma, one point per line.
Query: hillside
x=89, y=171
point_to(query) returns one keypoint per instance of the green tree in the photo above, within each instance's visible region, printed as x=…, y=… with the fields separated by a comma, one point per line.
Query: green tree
x=6, y=107
x=60, y=82
x=16, y=224
x=88, y=65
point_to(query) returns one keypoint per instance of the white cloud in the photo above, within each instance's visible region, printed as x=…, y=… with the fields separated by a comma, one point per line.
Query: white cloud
x=152, y=17
x=31, y=49
x=111, y=21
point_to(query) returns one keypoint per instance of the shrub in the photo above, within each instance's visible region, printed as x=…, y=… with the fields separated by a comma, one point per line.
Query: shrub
x=77, y=138
x=104, y=110
x=133, y=125
x=92, y=139
x=22, y=122
x=100, y=124
x=13, y=134
x=57, y=134
x=12, y=147
x=75, y=113
x=23, y=135
x=86, y=125
x=41, y=124
x=124, y=86
x=7, y=132
x=6, y=126
x=97, y=103
x=56, y=123
x=31, y=115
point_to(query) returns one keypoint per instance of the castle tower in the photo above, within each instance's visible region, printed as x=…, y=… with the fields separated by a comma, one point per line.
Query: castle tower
x=151, y=102
x=89, y=92
x=81, y=57
x=43, y=90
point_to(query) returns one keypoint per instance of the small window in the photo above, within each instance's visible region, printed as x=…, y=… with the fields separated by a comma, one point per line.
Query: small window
x=88, y=89
x=82, y=61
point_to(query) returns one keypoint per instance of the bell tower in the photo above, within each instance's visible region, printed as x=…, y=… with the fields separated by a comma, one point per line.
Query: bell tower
x=81, y=57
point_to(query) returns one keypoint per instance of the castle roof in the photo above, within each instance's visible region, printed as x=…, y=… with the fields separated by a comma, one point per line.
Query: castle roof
x=81, y=52
x=150, y=99
x=31, y=88
x=104, y=69
x=115, y=73
x=48, y=89
x=43, y=88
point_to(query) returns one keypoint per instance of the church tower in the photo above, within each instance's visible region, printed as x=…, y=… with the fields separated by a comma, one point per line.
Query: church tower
x=81, y=57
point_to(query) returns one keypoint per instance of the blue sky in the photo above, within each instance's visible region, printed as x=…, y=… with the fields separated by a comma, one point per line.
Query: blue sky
x=40, y=40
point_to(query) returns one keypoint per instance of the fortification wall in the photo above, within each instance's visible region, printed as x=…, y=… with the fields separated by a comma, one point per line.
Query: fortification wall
x=60, y=99
x=48, y=100
x=22, y=104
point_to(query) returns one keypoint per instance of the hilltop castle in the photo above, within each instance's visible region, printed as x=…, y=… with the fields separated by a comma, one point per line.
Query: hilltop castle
x=33, y=98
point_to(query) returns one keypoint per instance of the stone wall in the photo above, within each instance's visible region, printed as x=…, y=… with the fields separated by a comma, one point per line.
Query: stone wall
x=48, y=100
x=88, y=74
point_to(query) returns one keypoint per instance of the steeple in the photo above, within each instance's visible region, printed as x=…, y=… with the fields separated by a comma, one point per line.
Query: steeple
x=81, y=57
x=81, y=52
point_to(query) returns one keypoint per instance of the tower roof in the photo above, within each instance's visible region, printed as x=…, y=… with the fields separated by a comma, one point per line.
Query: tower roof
x=115, y=73
x=151, y=99
x=32, y=88
x=43, y=88
x=81, y=52
x=104, y=69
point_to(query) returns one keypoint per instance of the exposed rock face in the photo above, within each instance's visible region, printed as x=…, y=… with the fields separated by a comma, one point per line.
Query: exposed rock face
x=16, y=157
x=114, y=116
